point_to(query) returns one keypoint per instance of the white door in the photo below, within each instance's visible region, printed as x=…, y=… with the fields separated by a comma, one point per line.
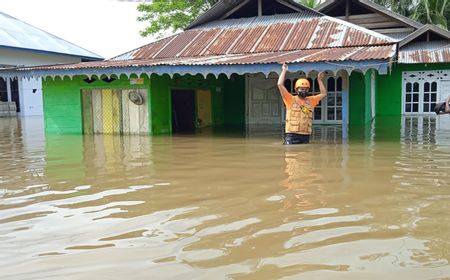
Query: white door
x=263, y=101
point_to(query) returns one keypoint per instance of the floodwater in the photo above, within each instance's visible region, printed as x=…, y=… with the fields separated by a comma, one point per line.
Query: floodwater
x=226, y=204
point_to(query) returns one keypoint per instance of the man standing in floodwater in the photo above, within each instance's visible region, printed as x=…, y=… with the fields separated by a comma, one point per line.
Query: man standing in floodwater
x=299, y=107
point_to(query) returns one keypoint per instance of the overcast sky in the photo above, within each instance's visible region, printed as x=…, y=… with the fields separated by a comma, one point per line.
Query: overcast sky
x=105, y=27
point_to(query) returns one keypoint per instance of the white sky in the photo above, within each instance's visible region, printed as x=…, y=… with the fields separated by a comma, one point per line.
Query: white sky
x=105, y=27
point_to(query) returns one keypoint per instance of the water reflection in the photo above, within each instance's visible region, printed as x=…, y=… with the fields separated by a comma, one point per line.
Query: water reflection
x=303, y=181
x=226, y=205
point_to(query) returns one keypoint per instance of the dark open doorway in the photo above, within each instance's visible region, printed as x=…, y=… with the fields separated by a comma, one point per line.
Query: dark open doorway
x=183, y=111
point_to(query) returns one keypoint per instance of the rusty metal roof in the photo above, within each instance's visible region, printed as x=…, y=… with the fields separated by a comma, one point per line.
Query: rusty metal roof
x=295, y=56
x=413, y=48
x=248, y=45
x=425, y=52
x=276, y=33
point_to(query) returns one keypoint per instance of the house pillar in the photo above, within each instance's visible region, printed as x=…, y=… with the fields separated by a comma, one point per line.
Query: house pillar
x=8, y=89
x=345, y=104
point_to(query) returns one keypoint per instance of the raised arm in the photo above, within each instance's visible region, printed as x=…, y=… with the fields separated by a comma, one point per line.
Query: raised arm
x=322, y=88
x=283, y=91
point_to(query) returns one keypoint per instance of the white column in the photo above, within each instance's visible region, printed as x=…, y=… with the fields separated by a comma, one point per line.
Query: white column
x=8, y=89
x=372, y=93
x=345, y=101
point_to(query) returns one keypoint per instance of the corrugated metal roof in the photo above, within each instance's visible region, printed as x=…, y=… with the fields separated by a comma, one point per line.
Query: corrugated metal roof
x=261, y=34
x=295, y=56
x=15, y=33
x=425, y=52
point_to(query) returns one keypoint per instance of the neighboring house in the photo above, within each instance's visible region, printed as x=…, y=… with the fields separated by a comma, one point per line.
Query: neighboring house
x=222, y=70
x=420, y=76
x=24, y=45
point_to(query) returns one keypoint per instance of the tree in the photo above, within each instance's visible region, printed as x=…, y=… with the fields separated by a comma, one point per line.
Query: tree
x=433, y=11
x=424, y=11
x=447, y=14
x=310, y=3
x=403, y=7
x=174, y=15
x=170, y=15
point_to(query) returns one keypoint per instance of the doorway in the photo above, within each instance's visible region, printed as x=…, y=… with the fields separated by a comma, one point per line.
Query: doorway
x=183, y=111
x=263, y=101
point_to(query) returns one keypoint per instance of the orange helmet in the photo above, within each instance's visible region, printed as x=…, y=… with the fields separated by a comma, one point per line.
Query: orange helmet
x=302, y=83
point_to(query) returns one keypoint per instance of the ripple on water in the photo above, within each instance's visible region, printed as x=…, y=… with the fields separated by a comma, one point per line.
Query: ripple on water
x=215, y=206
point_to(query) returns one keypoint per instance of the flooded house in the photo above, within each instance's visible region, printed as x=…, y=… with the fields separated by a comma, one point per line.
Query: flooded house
x=223, y=68
x=22, y=44
x=420, y=73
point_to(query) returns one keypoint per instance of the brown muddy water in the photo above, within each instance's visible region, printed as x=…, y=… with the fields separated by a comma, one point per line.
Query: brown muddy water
x=226, y=205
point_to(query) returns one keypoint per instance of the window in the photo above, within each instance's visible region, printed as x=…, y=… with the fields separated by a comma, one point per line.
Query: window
x=422, y=90
x=329, y=109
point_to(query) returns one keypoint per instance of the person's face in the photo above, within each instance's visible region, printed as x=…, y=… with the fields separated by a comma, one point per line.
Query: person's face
x=302, y=91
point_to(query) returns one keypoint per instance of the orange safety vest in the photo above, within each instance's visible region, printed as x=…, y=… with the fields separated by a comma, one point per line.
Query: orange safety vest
x=299, y=117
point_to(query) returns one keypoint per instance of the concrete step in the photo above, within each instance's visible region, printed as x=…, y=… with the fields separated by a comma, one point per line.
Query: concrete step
x=7, y=109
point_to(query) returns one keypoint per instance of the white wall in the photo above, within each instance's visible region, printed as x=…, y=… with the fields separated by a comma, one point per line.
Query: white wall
x=30, y=91
x=30, y=94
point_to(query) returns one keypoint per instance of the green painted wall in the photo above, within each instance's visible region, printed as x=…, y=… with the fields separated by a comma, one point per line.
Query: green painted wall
x=360, y=103
x=160, y=100
x=62, y=101
x=388, y=98
x=356, y=99
x=62, y=107
x=217, y=99
x=234, y=100
x=389, y=87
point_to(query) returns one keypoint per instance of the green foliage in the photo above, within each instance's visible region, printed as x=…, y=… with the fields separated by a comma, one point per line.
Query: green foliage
x=174, y=15
x=424, y=11
x=447, y=14
x=433, y=11
x=171, y=15
x=403, y=7
x=310, y=3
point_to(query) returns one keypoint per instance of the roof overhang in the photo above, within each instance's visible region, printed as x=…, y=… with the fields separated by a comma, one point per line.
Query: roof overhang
x=310, y=68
